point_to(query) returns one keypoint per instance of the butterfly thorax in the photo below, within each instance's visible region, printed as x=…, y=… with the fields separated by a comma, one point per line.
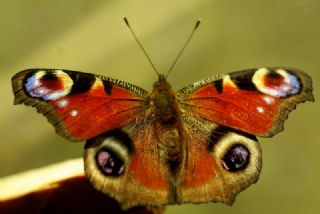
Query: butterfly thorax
x=165, y=103
x=167, y=124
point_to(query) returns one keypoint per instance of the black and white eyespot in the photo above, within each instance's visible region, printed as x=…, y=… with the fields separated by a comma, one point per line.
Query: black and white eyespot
x=48, y=85
x=277, y=82
x=106, y=159
x=235, y=152
x=108, y=154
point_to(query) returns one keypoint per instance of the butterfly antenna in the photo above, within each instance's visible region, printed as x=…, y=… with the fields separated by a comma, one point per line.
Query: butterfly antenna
x=184, y=46
x=140, y=45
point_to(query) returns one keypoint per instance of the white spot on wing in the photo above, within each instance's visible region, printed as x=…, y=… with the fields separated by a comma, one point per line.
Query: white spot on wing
x=74, y=113
x=260, y=109
x=41, y=91
x=269, y=100
x=63, y=103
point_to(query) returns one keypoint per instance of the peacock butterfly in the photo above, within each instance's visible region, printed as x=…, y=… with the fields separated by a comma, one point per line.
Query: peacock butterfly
x=197, y=144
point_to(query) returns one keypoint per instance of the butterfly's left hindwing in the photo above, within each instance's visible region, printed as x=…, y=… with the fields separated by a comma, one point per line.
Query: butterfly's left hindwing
x=79, y=105
x=256, y=101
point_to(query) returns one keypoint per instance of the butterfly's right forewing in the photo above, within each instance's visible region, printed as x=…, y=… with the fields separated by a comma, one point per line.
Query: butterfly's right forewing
x=79, y=105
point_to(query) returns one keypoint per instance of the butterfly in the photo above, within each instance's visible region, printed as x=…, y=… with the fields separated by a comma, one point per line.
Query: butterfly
x=197, y=144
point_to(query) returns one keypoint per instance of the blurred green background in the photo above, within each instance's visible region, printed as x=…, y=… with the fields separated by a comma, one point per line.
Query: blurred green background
x=91, y=36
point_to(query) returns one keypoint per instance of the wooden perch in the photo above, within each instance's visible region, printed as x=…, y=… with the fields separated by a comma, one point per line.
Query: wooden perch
x=58, y=188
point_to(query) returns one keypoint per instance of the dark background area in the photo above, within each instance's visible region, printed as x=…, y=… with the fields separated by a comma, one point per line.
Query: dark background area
x=91, y=36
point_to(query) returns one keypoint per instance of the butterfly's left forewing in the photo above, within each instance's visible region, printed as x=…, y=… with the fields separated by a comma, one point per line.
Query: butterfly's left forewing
x=256, y=101
x=220, y=119
x=79, y=105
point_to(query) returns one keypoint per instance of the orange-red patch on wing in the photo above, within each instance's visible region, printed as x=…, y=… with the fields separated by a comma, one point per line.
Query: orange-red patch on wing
x=208, y=90
x=148, y=173
x=199, y=170
x=249, y=111
x=146, y=165
x=200, y=166
x=88, y=114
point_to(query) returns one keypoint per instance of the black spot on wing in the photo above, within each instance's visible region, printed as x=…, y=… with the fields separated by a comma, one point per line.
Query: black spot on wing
x=243, y=79
x=120, y=135
x=218, y=133
x=82, y=82
x=107, y=85
x=49, y=76
x=273, y=75
x=218, y=84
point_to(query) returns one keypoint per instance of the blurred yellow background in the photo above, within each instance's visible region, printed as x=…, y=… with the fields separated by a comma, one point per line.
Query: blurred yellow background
x=91, y=36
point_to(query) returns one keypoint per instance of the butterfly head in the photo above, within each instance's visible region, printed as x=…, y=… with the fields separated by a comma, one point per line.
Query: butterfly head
x=161, y=81
x=161, y=86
